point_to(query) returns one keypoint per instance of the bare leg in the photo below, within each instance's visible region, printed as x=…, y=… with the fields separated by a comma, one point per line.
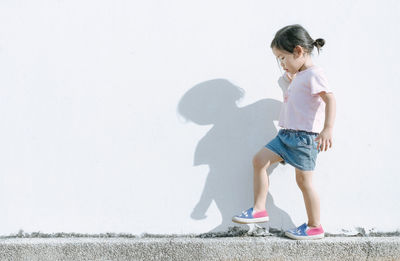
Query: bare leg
x=261, y=161
x=310, y=195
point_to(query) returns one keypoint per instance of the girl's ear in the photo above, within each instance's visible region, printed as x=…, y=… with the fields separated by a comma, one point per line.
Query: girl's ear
x=298, y=51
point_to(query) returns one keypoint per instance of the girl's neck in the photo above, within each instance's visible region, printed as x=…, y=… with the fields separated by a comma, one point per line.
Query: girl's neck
x=307, y=64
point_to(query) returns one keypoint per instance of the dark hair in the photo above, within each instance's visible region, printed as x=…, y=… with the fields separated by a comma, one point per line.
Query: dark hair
x=290, y=36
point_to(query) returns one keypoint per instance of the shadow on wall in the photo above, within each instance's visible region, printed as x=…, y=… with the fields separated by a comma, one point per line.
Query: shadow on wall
x=228, y=148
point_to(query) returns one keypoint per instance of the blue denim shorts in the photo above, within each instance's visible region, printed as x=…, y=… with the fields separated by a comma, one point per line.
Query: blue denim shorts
x=296, y=147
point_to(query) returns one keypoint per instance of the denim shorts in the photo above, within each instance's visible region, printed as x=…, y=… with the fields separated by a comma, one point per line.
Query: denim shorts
x=296, y=147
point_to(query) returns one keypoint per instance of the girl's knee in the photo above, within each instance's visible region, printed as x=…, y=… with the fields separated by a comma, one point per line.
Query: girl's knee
x=304, y=183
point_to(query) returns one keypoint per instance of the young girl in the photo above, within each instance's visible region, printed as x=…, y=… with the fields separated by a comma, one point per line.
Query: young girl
x=307, y=101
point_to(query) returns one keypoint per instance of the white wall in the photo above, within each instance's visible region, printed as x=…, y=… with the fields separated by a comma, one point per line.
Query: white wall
x=126, y=116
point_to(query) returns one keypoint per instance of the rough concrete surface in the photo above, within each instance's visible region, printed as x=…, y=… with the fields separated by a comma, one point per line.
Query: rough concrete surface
x=195, y=248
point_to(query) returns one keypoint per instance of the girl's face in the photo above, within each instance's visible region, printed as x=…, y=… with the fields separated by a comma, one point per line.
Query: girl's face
x=290, y=62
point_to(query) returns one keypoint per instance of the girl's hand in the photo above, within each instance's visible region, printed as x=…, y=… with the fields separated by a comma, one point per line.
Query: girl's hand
x=324, y=139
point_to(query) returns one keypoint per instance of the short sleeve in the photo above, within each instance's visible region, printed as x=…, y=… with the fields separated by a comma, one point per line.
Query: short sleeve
x=319, y=83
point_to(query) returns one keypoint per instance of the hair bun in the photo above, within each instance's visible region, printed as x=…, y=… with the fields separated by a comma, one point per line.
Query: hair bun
x=319, y=42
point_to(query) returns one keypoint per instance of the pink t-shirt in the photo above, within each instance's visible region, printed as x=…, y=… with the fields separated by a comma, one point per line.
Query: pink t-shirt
x=303, y=108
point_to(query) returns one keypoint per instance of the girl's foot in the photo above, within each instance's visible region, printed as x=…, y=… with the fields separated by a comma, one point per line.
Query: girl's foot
x=248, y=216
x=305, y=232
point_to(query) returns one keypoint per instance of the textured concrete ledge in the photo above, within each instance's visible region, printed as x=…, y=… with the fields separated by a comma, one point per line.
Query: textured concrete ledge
x=229, y=248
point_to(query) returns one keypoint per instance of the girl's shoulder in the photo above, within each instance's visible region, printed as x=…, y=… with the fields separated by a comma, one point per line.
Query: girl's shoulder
x=314, y=71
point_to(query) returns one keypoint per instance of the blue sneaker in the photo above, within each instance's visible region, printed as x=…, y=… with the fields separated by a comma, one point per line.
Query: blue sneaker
x=305, y=232
x=248, y=217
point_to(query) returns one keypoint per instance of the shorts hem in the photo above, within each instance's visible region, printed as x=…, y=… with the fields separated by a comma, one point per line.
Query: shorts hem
x=298, y=166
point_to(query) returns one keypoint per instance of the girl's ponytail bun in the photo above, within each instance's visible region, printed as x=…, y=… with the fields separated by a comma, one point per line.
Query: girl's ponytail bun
x=319, y=42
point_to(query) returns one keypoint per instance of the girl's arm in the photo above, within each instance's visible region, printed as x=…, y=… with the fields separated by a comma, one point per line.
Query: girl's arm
x=325, y=137
x=330, y=109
